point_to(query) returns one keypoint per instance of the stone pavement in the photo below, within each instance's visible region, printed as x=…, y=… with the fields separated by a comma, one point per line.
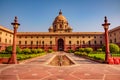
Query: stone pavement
x=36, y=69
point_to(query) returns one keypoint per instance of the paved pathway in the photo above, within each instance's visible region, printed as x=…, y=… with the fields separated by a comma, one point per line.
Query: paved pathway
x=35, y=69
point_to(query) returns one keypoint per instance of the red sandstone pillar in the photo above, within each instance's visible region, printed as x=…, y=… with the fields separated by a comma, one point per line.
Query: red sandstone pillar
x=107, y=51
x=13, y=59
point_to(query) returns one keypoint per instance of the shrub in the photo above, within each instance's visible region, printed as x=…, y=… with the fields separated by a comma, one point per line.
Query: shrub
x=50, y=51
x=9, y=49
x=88, y=50
x=26, y=51
x=99, y=50
x=77, y=53
x=39, y=50
x=81, y=49
x=34, y=51
x=70, y=51
x=114, y=48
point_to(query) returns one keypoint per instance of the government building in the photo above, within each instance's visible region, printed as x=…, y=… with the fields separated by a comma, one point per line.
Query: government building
x=60, y=37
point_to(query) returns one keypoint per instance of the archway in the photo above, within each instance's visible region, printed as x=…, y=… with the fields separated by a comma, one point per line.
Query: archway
x=60, y=45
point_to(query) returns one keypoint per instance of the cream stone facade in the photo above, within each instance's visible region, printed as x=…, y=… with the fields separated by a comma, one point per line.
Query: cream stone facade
x=6, y=37
x=59, y=38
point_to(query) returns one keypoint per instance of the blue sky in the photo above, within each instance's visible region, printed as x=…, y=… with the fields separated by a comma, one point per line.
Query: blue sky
x=38, y=15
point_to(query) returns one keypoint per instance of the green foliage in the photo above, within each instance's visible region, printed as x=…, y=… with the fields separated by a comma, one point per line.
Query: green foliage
x=114, y=48
x=97, y=56
x=70, y=51
x=3, y=52
x=26, y=51
x=81, y=49
x=34, y=51
x=88, y=50
x=80, y=53
x=50, y=51
x=39, y=50
x=99, y=50
x=27, y=56
x=9, y=49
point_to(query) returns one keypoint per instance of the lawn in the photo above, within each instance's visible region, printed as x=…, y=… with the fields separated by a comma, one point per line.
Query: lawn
x=97, y=56
x=22, y=56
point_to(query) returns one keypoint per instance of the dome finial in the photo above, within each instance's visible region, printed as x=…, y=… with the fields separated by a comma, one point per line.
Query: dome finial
x=60, y=12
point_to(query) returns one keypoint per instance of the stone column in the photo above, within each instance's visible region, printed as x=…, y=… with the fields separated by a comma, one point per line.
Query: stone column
x=107, y=51
x=13, y=59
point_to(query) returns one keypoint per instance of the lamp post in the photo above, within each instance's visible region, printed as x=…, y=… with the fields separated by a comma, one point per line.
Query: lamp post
x=107, y=51
x=13, y=59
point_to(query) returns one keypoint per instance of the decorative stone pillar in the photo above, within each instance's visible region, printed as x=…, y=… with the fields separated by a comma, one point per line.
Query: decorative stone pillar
x=13, y=59
x=107, y=51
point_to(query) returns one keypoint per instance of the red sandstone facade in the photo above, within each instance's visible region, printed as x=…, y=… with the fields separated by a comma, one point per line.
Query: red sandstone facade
x=60, y=37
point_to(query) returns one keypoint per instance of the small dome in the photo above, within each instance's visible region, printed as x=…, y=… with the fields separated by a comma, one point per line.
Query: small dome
x=70, y=28
x=60, y=17
x=51, y=27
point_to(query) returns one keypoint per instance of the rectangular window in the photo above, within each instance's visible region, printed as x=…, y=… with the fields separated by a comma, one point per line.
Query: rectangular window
x=25, y=36
x=95, y=42
x=101, y=42
x=50, y=42
x=42, y=42
x=77, y=42
x=70, y=42
x=5, y=40
x=36, y=42
x=0, y=39
x=31, y=42
x=25, y=42
x=83, y=42
x=94, y=36
x=19, y=42
x=10, y=41
x=89, y=42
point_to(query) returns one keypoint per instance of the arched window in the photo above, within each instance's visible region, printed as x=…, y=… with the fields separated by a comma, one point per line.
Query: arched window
x=60, y=25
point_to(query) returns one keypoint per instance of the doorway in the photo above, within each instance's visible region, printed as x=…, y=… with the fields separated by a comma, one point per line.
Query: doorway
x=60, y=45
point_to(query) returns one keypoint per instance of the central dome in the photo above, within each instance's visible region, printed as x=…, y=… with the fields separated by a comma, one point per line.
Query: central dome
x=60, y=24
x=60, y=17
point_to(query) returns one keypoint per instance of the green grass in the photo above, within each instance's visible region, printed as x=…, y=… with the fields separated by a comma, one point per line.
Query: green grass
x=97, y=56
x=22, y=56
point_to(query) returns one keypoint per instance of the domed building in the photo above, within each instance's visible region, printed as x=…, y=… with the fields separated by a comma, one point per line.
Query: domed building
x=60, y=24
x=59, y=38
